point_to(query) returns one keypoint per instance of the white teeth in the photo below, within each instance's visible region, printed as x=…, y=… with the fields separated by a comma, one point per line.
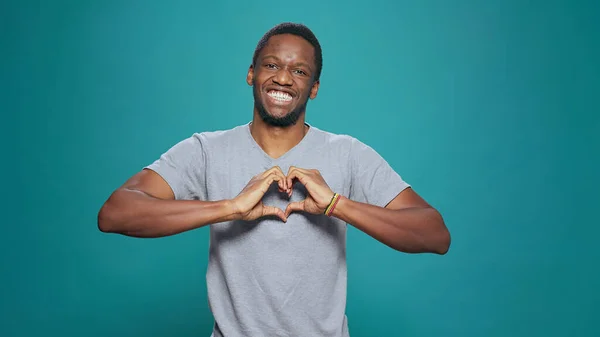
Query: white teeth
x=280, y=96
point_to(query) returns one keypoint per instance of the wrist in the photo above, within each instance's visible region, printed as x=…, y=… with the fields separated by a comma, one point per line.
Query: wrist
x=332, y=209
x=232, y=211
x=341, y=209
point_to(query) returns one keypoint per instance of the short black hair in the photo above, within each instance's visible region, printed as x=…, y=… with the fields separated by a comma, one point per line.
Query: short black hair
x=297, y=29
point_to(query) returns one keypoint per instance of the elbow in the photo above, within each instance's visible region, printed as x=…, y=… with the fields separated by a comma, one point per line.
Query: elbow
x=435, y=237
x=443, y=238
x=107, y=219
x=103, y=220
x=443, y=243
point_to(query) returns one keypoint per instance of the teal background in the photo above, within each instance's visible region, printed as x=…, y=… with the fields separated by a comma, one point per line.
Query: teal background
x=488, y=108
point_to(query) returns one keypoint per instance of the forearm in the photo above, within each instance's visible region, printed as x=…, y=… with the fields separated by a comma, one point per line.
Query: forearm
x=135, y=213
x=410, y=230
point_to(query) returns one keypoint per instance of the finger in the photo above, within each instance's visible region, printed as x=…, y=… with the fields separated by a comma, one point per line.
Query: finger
x=274, y=169
x=270, y=210
x=289, y=179
x=289, y=173
x=294, y=207
x=270, y=170
x=274, y=176
x=277, y=170
x=296, y=174
x=267, y=181
x=295, y=168
x=292, y=174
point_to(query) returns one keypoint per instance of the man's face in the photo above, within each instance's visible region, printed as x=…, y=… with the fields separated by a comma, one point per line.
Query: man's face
x=282, y=79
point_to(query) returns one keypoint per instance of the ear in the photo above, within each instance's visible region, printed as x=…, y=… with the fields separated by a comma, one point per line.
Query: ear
x=250, y=76
x=314, y=90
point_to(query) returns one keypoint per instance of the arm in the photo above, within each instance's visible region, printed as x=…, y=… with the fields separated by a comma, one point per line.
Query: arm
x=145, y=206
x=407, y=224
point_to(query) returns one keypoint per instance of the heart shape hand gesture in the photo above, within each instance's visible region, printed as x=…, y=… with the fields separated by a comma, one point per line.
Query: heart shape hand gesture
x=248, y=203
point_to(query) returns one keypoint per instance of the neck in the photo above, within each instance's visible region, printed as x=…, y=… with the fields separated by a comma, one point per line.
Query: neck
x=276, y=141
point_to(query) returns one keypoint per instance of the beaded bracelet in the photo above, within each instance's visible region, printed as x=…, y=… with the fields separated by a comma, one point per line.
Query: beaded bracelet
x=334, y=200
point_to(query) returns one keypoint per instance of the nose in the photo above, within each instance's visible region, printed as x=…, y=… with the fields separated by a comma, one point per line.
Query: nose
x=283, y=77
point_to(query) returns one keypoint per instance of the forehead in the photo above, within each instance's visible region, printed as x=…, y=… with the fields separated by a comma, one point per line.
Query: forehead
x=288, y=47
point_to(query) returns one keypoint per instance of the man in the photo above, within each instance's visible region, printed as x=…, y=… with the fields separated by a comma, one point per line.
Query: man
x=277, y=194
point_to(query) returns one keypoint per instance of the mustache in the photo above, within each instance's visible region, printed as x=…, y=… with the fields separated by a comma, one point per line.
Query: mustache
x=289, y=119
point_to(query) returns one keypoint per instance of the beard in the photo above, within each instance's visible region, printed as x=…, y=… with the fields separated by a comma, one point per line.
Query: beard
x=288, y=120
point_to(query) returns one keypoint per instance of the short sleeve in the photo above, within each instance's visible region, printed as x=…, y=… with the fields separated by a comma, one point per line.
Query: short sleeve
x=182, y=167
x=373, y=180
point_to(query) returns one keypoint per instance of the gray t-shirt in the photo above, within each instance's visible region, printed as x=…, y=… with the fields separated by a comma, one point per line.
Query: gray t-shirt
x=267, y=277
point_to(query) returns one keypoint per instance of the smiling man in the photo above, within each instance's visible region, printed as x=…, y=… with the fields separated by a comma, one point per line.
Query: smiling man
x=277, y=194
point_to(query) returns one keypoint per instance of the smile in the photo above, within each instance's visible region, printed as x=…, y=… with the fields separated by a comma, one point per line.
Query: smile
x=279, y=97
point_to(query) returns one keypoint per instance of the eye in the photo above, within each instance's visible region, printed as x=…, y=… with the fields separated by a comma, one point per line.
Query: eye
x=270, y=66
x=300, y=71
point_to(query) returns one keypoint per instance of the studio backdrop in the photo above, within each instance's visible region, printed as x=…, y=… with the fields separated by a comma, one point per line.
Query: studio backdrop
x=489, y=109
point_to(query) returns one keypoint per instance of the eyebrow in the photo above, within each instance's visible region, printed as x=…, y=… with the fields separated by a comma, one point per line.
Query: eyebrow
x=296, y=64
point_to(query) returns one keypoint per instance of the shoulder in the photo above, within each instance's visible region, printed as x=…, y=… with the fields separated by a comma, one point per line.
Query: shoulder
x=349, y=148
x=215, y=138
x=331, y=139
x=220, y=135
x=338, y=141
x=201, y=142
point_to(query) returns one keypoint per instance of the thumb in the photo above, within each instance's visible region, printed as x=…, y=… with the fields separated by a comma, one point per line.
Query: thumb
x=294, y=206
x=270, y=210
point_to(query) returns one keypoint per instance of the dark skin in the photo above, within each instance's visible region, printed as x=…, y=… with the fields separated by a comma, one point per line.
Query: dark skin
x=286, y=64
x=145, y=205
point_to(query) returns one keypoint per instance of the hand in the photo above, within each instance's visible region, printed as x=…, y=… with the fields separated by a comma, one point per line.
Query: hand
x=319, y=193
x=248, y=204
